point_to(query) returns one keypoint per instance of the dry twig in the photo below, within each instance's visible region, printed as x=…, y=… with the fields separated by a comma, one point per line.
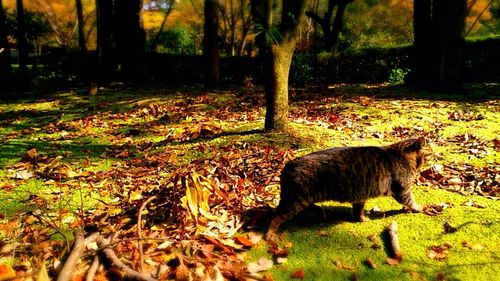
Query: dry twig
x=139, y=233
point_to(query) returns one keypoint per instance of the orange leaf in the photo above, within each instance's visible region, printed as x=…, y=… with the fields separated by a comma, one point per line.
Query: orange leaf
x=243, y=240
x=6, y=272
x=298, y=274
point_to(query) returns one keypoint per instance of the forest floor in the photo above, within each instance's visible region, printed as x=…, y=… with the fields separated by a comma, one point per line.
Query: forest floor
x=181, y=183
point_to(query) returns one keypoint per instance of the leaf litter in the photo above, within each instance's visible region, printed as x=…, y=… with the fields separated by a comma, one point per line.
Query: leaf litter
x=192, y=224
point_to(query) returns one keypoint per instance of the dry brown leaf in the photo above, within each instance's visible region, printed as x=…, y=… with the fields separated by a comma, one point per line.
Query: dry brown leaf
x=438, y=252
x=243, y=240
x=370, y=262
x=298, y=274
x=340, y=265
x=263, y=264
x=391, y=261
x=448, y=228
x=7, y=273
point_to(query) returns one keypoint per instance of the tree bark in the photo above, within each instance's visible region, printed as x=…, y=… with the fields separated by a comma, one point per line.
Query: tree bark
x=276, y=51
x=22, y=44
x=81, y=25
x=450, y=26
x=130, y=38
x=331, y=30
x=439, y=44
x=276, y=70
x=5, y=60
x=422, y=30
x=210, y=40
x=105, y=60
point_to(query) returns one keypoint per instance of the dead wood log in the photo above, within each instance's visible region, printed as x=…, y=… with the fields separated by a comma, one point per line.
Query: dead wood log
x=395, y=250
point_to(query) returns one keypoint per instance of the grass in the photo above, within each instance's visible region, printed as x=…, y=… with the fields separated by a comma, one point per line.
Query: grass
x=318, y=246
x=91, y=134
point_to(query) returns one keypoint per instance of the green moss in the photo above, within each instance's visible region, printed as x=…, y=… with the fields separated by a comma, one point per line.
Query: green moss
x=318, y=246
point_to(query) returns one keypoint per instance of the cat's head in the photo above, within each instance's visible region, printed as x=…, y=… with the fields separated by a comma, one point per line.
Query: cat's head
x=416, y=150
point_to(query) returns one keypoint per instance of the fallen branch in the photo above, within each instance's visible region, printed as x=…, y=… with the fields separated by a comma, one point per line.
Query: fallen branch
x=392, y=231
x=115, y=261
x=68, y=269
x=93, y=269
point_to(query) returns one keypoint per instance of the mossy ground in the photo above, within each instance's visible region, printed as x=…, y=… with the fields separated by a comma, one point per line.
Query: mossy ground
x=90, y=128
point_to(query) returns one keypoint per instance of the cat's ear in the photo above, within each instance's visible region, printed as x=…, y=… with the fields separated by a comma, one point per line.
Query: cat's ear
x=415, y=145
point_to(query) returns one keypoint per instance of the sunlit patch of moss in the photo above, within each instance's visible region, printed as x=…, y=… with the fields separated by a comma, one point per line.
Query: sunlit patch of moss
x=100, y=165
x=347, y=243
x=16, y=199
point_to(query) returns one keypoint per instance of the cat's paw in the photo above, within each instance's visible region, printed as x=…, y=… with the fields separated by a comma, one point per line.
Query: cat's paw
x=415, y=208
x=270, y=236
x=362, y=218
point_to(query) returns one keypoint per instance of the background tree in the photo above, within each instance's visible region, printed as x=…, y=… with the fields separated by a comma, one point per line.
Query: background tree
x=22, y=45
x=130, y=38
x=105, y=59
x=331, y=26
x=276, y=46
x=210, y=42
x=235, y=25
x=5, y=60
x=81, y=26
x=168, y=7
x=439, y=43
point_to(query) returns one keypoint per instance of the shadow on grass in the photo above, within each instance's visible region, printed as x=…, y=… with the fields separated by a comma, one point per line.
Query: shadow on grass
x=470, y=93
x=10, y=151
x=313, y=216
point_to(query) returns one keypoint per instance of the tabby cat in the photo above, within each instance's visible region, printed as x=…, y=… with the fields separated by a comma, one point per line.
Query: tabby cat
x=350, y=174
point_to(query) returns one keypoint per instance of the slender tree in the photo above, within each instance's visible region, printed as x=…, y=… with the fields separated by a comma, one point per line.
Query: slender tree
x=210, y=40
x=156, y=39
x=276, y=47
x=81, y=25
x=5, y=61
x=234, y=25
x=331, y=28
x=22, y=44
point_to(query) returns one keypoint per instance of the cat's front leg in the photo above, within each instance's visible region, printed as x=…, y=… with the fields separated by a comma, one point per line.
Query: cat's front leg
x=404, y=196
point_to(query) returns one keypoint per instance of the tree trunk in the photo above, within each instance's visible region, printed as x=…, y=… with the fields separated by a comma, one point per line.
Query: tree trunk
x=105, y=60
x=22, y=45
x=439, y=44
x=5, y=61
x=130, y=38
x=422, y=29
x=449, y=17
x=337, y=25
x=210, y=46
x=276, y=50
x=81, y=32
x=276, y=70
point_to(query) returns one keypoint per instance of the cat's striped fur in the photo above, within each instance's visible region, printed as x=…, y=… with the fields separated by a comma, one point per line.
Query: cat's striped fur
x=350, y=174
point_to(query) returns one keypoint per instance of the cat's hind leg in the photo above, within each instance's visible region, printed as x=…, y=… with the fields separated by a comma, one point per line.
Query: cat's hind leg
x=284, y=212
x=358, y=211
